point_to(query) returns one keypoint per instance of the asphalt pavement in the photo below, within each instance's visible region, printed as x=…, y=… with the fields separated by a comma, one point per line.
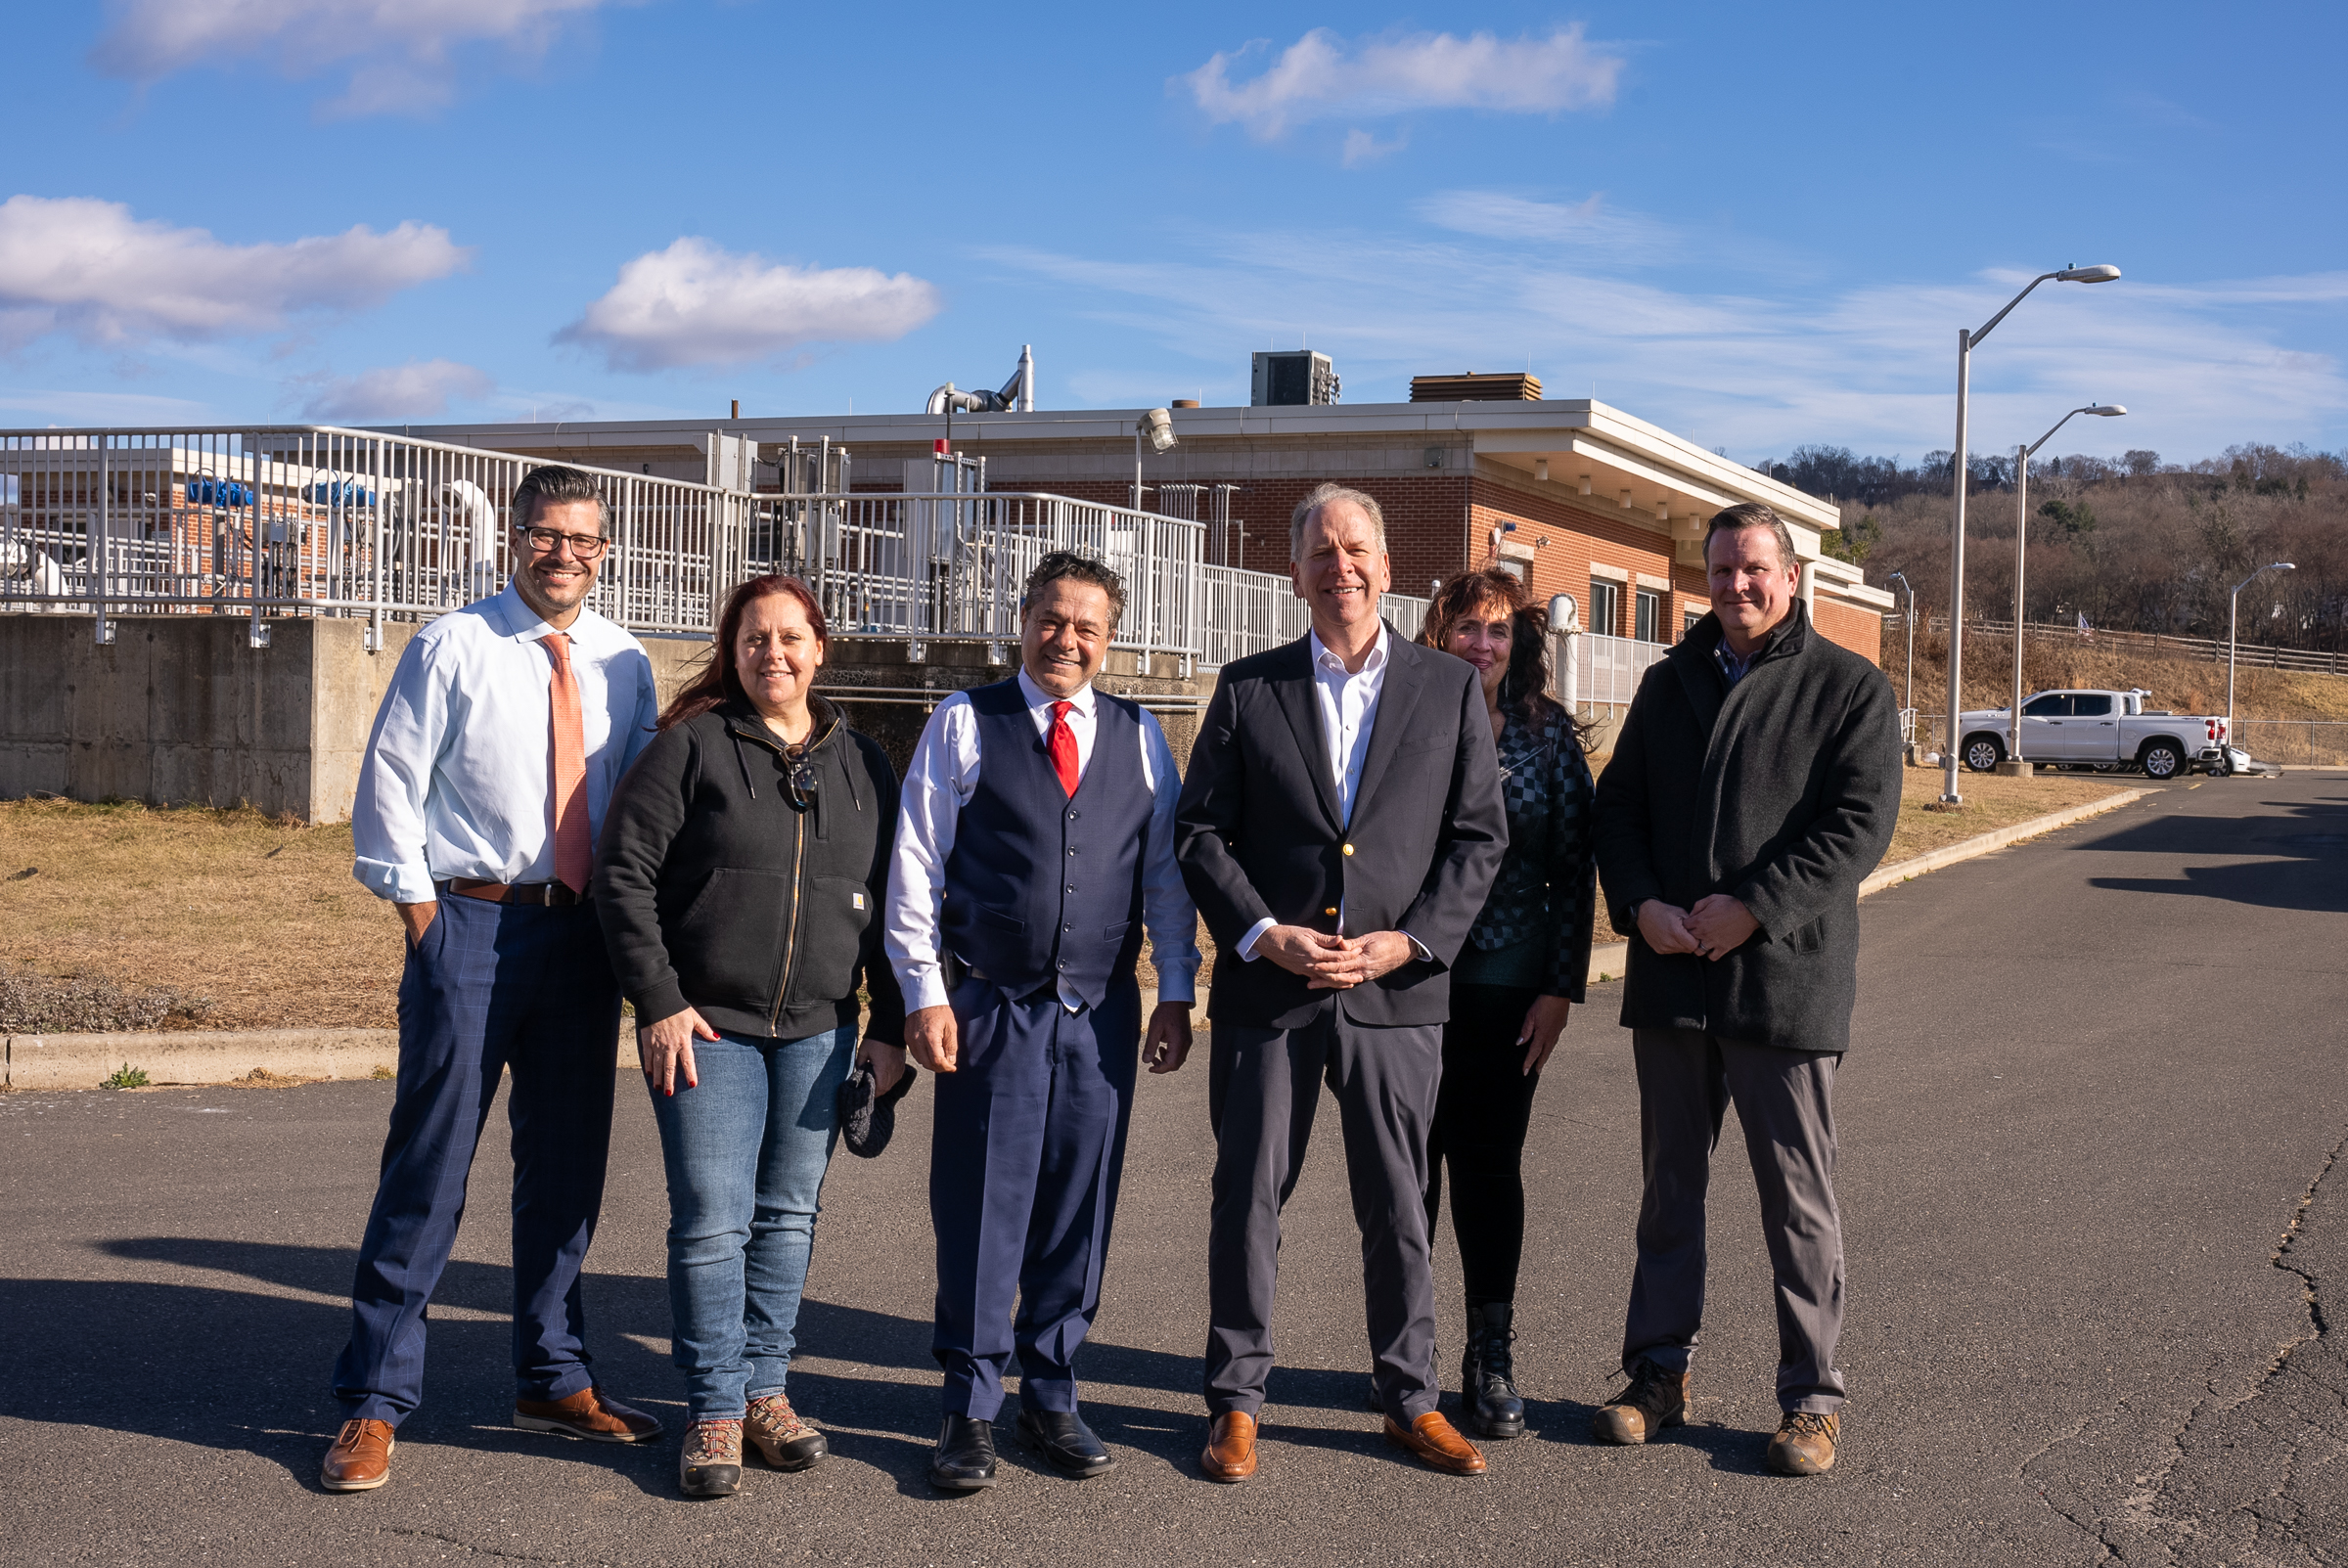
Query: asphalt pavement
x=2094, y=1271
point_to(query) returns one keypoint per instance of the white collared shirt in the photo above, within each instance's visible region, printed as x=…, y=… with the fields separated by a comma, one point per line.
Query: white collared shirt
x=943, y=776
x=1348, y=702
x=457, y=775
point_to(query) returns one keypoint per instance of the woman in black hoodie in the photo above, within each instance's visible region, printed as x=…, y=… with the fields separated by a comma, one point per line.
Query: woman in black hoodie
x=740, y=886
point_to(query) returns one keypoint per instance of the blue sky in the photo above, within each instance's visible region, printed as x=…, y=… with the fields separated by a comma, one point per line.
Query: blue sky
x=1755, y=226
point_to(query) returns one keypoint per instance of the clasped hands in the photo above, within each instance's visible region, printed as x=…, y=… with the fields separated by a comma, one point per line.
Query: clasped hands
x=1716, y=927
x=1332, y=962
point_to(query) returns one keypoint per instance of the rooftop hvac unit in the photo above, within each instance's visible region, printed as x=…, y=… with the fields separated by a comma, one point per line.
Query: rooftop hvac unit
x=1292, y=380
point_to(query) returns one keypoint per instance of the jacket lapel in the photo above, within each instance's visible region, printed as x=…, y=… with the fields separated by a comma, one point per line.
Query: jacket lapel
x=1302, y=705
x=1406, y=673
x=1692, y=662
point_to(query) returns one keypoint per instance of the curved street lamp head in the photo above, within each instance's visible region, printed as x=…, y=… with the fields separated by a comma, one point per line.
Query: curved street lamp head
x=1157, y=428
x=2283, y=566
x=2103, y=272
x=2110, y=411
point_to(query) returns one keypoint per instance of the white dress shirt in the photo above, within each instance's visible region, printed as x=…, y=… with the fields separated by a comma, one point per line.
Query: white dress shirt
x=458, y=772
x=1348, y=701
x=943, y=776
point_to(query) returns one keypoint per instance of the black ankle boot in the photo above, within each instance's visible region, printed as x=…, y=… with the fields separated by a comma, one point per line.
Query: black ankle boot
x=1488, y=1372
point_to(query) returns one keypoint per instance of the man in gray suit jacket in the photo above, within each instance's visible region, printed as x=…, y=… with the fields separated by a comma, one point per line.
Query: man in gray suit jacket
x=1339, y=828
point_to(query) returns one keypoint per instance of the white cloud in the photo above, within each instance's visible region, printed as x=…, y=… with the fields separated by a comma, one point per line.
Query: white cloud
x=420, y=389
x=1361, y=147
x=398, y=49
x=86, y=267
x=1320, y=76
x=1871, y=367
x=1589, y=224
x=695, y=304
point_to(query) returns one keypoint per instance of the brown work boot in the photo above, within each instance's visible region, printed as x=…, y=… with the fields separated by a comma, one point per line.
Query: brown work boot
x=709, y=1465
x=775, y=1430
x=1437, y=1442
x=1654, y=1400
x=588, y=1413
x=1805, y=1443
x=360, y=1460
x=1229, y=1446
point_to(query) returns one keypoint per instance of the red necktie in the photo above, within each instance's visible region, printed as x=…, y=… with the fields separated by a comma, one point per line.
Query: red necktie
x=575, y=849
x=1062, y=743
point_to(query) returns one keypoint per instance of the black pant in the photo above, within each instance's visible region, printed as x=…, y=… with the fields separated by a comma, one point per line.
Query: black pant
x=1263, y=1086
x=1482, y=1113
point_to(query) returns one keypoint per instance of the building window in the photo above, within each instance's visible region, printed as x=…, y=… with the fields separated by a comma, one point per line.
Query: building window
x=1515, y=568
x=1650, y=623
x=1688, y=620
x=1605, y=608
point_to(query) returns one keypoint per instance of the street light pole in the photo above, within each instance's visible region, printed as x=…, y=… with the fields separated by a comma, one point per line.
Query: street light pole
x=2234, y=604
x=1907, y=703
x=2015, y=765
x=1949, y=795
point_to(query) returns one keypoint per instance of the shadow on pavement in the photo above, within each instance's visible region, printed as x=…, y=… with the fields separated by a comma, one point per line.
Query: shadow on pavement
x=232, y=1369
x=2303, y=857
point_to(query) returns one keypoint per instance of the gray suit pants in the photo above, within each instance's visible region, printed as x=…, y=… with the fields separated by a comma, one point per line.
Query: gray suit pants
x=1785, y=1100
x=1262, y=1087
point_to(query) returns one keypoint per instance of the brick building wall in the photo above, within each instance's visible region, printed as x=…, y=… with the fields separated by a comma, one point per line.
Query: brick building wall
x=1854, y=626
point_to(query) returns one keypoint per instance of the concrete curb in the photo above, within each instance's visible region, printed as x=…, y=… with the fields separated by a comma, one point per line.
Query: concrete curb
x=207, y=1056
x=1610, y=961
x=82, y=1061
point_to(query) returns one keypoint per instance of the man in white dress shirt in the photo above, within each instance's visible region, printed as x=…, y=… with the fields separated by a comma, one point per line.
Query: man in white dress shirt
x=1034, y=846
x=505, y=730
x=1340, y=829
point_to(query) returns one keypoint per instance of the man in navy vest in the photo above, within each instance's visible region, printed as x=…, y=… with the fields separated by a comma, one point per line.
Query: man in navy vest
x=1035, y=845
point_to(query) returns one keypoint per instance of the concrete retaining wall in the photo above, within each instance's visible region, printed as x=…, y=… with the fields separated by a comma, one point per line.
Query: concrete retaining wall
x=87, y=1061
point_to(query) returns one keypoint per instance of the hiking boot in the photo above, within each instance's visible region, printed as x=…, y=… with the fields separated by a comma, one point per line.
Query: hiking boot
x=776, y=1431
x=711, y=1463
x=1488, y=1373
x=1805, y=1443
x=1654, y=1400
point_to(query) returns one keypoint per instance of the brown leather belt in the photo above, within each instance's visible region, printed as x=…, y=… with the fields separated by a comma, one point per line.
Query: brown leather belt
x=553, y=895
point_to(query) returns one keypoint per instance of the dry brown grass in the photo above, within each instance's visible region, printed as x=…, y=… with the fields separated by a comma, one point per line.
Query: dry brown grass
x=264, y=918
x=261, y=917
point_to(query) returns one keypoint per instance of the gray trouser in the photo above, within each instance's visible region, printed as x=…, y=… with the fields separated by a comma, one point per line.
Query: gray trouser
x=1262, y=1086
x=1785, y=1100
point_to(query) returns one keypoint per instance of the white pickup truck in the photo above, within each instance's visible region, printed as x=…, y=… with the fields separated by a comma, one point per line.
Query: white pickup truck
x=2106, y=729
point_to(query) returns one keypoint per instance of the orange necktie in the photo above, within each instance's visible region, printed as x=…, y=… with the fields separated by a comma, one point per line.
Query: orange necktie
x=575, y=849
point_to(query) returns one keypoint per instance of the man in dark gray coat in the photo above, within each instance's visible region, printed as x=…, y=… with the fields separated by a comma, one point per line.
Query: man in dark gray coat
x=1753, y=786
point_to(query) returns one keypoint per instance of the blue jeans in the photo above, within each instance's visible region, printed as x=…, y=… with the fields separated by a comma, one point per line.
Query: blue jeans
x=746, y=1150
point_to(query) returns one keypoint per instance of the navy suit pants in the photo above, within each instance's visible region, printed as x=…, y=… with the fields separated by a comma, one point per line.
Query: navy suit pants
x=491, y=987
x=1026, y=1147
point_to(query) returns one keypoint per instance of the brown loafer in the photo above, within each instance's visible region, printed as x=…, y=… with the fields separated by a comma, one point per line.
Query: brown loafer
x=589, y=1413
x=360, y=1460
x=1437, y=1442
x=1229, y=1455
x=1805, y=1443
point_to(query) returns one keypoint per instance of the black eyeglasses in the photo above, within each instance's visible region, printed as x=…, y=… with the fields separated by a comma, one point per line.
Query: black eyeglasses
x=583, y=546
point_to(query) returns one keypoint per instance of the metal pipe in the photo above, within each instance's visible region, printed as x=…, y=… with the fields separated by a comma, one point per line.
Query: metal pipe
x=1949, y=795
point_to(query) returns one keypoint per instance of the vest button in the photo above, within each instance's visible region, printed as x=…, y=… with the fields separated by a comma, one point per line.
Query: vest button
x=1071, y=888
x=1067, y=927
x=1332, y=910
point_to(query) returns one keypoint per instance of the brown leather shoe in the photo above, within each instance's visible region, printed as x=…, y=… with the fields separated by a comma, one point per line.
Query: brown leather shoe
x=776, y=1431
x=1805, y=1443
x=1229, y=1446
x=589, y=1413
x=1437, y=1442
x=1654, y=1400
x=360, y=1460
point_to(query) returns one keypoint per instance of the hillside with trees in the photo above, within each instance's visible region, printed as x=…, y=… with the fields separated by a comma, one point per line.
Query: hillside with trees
x=2133, y=545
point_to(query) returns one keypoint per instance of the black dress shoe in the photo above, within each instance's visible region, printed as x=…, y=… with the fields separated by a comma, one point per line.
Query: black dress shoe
x=965, y=1461
x=1066, y=1444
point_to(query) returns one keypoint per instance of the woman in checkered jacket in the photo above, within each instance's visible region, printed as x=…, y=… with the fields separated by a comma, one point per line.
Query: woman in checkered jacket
x=1524, y=966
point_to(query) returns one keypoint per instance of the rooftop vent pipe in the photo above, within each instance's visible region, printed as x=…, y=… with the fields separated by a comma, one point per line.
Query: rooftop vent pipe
x=1018, y=395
